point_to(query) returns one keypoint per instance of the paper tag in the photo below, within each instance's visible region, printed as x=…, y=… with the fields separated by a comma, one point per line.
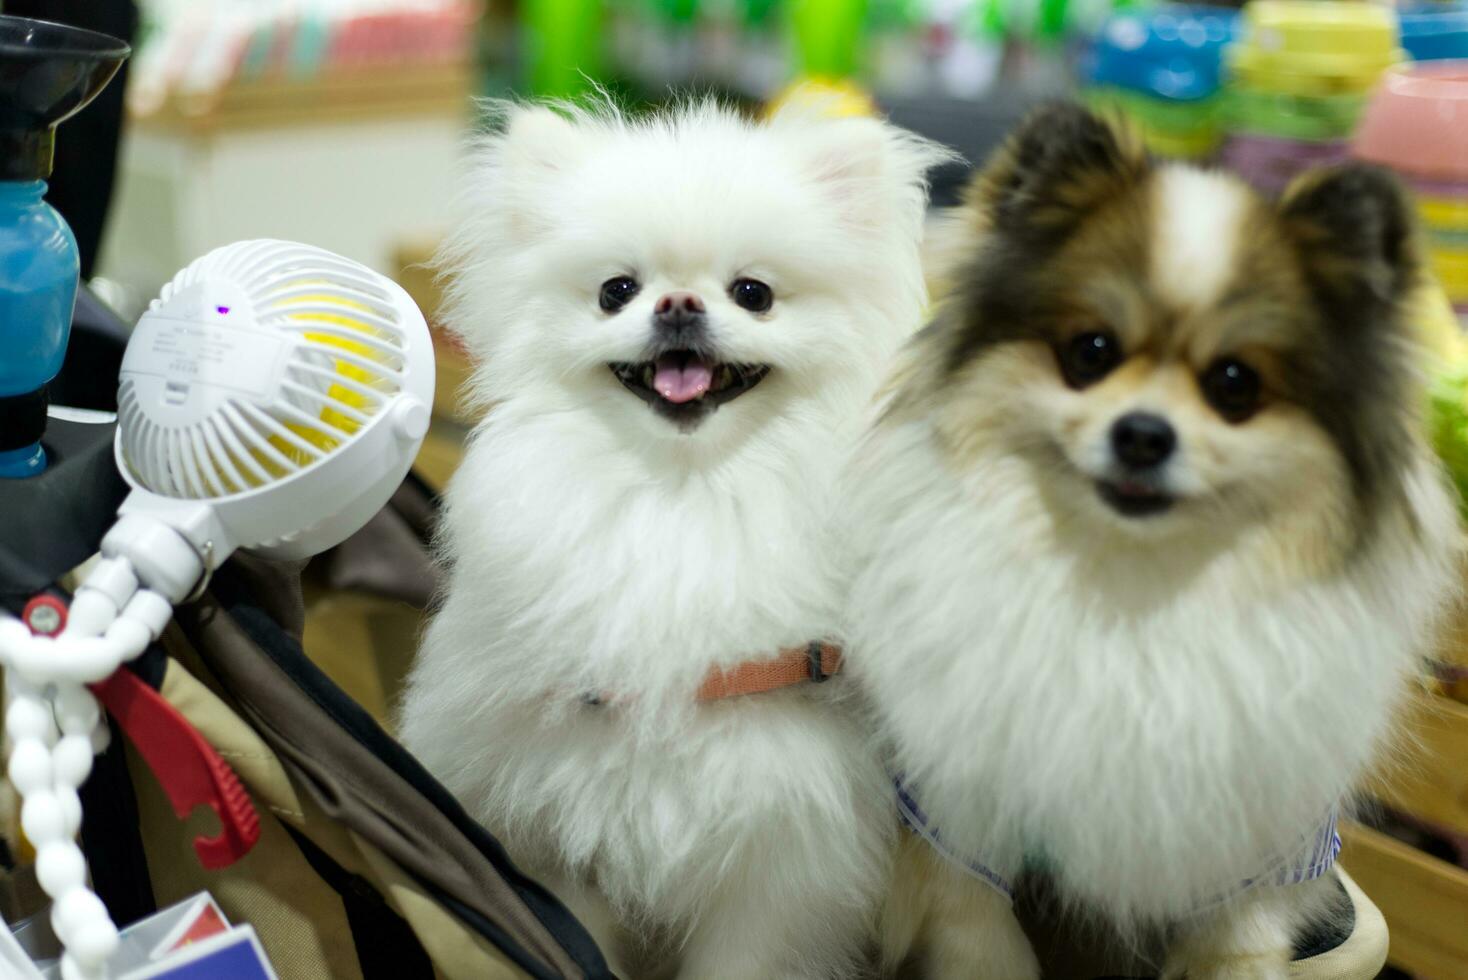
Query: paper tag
x=232, y=955
x=192, y=940
x=204, y=919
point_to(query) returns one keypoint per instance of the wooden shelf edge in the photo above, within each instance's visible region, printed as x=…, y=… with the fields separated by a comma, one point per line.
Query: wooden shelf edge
x=1424, y=901
x=1429, y=779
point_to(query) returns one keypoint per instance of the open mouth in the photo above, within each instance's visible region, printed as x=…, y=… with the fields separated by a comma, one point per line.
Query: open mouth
x=684, y=384
x=1133, y=498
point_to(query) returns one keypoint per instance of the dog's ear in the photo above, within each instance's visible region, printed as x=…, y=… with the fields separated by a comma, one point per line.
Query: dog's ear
x=1060, y=164
x=874, y=171
x=851, y=152
x=524, y=147
x=537, y=138
x=1354, y=229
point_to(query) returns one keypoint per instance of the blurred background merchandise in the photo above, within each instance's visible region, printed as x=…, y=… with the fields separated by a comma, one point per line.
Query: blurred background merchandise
x=340, y=120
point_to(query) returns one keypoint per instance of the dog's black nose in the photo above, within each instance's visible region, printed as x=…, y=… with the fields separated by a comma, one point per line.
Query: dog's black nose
x=1142, y=439
x=671, y=303
x=679, y=319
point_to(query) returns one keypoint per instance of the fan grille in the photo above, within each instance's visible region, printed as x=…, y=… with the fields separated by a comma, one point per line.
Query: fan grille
x=347, y=344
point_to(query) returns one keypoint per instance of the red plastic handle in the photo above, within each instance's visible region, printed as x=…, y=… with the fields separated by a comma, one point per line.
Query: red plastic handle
x=191, y=772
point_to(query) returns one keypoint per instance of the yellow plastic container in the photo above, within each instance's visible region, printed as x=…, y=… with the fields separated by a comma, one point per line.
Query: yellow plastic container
x=1444, y=213
x=831, y=96
x=1450, y=266
x=1315, y=47
x=1437, y=327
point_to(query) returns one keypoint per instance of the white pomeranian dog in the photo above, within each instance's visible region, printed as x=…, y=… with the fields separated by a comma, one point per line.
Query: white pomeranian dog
x=1148, y=542
x=678, y=321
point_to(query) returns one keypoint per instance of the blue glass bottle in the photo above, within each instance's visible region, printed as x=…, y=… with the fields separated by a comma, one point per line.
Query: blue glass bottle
x=39, y=267
x=48, y=72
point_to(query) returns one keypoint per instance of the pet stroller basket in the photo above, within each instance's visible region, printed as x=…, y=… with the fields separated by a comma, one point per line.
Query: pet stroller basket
x=365, y=865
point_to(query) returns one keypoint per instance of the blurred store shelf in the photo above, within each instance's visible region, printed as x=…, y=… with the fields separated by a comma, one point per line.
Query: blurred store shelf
x=341, y=95
x=353, y=161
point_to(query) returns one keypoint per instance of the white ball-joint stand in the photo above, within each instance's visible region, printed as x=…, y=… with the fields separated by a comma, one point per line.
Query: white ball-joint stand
x=55, y=724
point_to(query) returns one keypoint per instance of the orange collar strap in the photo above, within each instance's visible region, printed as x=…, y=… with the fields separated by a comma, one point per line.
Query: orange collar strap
x=814, y=662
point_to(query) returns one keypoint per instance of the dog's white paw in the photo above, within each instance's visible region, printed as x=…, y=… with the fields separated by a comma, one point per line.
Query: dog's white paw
x=941, y=924
x=993, y=949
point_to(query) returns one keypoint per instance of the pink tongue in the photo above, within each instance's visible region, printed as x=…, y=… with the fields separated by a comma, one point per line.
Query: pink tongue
x=679, y=381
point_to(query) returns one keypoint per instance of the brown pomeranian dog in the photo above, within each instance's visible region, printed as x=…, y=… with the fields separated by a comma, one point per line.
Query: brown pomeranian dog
x=1148, y=543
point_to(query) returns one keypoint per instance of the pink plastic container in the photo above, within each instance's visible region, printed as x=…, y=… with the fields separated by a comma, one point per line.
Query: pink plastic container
x=1417, y=122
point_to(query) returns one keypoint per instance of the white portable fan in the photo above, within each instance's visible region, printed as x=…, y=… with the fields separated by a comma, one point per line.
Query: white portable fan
x=272, y=398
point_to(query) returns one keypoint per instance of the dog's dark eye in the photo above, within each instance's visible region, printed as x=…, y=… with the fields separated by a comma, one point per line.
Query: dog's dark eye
x=752, y=295
x=1232, y=388
x=1088, y=357
x=617, y=293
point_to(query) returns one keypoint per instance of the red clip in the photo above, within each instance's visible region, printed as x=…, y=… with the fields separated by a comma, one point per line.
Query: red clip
x=191, y=772
x=44, y=615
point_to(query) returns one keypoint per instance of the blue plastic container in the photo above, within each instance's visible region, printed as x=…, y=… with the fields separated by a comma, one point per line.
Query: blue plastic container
x=1435, y=32
x=1162, y=68
x=1172, y=52
x=39, y=267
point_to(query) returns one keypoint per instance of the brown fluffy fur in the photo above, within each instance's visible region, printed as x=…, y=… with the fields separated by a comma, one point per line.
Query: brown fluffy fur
x=1054, y=238
x=1064, y=233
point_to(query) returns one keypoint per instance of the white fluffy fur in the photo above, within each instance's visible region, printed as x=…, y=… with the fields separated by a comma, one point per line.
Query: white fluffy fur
x=1160, y=723
x=596, y=548
x=1199, y=215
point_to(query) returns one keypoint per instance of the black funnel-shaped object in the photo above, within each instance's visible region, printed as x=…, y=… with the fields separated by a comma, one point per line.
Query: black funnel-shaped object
x=47, y=73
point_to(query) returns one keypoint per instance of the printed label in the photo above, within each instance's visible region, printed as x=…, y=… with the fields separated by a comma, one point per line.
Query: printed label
x=186, y=353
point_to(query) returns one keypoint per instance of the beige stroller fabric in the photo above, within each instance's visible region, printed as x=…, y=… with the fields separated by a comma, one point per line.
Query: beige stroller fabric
x=299, y=916
x=305, y=769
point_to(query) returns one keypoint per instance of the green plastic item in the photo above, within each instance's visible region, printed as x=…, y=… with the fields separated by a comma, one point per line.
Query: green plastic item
x=1054, y=19
x=989, y=19
x=1041, y=20
x=1180, y=130
x=1195, y=146
x=562, y=45
x=309, y=42
x=1449, y=421
x=828, y=36
x=680, y=12
x=1198, y=116
x=757, y=13
x=1446, y=241
x=1316, y=118
x=256, y=59
x=891, y=15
